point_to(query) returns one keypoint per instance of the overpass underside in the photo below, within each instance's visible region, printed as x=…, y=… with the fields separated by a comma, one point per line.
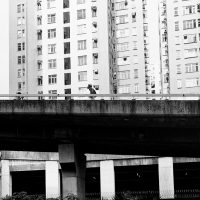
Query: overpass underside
x=110, y=134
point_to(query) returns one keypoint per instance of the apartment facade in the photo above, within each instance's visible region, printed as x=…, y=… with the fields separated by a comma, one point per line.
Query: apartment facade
x=59, y=46
x=129, y=46
x=184, y=42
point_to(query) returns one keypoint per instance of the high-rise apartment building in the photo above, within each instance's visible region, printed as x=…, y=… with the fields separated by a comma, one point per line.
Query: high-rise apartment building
x=119, y=46
x=183, y=18
x=60, y=46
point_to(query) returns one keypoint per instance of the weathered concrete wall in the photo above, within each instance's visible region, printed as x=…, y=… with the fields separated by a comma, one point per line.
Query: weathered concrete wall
x=124, y=107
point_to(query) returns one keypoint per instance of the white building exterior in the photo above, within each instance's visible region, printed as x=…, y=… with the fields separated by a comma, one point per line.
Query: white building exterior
x=119, y=46
x=59, y=46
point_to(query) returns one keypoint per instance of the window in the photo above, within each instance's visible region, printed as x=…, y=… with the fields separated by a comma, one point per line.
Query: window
x=83, y=90
x=52, y=79
x=178, y=68
x=134, y=17
x=198, y=22
x=19, y=85
x=136, y=87
x=39, y=34
x=22, y=7
x=122, y=19
x=124, y=89
x=23, y=59
x=51, y=18
x=121, y=5
x=81, y=29
x=198, y=7
x=124, y=75
x=66, y=17
x=95, y=43
x=40, y=97
x=68, y=91
x=39, y=49
x=39, y=20
x=40, y=80
x=81, y=44
x=82, y=60
x=187, y=10
x=95, y=58
x=81, y=14
x=52, y=63
x=95, y=74
x=66, y=47
x=19, y=73
x=67, y=78
x=23, y=33
x=122, y=33
x=51, y=4
x=179, y=83
x=67, y=63
x=123, y=60
x=94, y=27
x=19, y=8
x=19, y=21
x=39, y=64
x=178, y=54
x=189, y=38
x=54, y=92
x=80, y=1
x=66, y=32
x=19, y=34
x=82, y=76
x=65, y=3
x=123, y=47
x=190, y=53
x=175, y=11
x=191, y=67
x=23, y=45
x=192, y=82
x=19, y=47
x=19, y=60
x=39, y=4
x=51, y=48
x=51, y=33
x=176, y=26
x=189, y=24
x=135, y=73
x=94, y=11
x=134, y=45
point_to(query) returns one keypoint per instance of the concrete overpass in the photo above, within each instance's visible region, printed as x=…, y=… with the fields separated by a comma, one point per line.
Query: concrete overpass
x=75, y=127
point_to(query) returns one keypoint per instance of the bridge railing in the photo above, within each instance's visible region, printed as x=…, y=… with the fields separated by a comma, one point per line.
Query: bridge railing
x=100, y=96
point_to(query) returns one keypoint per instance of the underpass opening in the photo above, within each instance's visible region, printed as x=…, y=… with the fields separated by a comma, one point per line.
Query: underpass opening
x=32, y=182
x=137, y=178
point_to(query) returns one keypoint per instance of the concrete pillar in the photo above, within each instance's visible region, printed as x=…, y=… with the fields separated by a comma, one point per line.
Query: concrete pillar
x=107, y=179
x=73, y=165
x=166, y=178
x=6, y=179
x=52, y=179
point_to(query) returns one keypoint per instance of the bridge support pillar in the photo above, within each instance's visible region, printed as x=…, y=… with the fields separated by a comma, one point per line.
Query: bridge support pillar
x=73, y=165
x=107, y=179
x=52, y=179
x=6, y=179
x=166, y=178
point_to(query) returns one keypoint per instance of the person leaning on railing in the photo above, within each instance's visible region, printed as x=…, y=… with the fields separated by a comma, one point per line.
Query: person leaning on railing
x=92, y=91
